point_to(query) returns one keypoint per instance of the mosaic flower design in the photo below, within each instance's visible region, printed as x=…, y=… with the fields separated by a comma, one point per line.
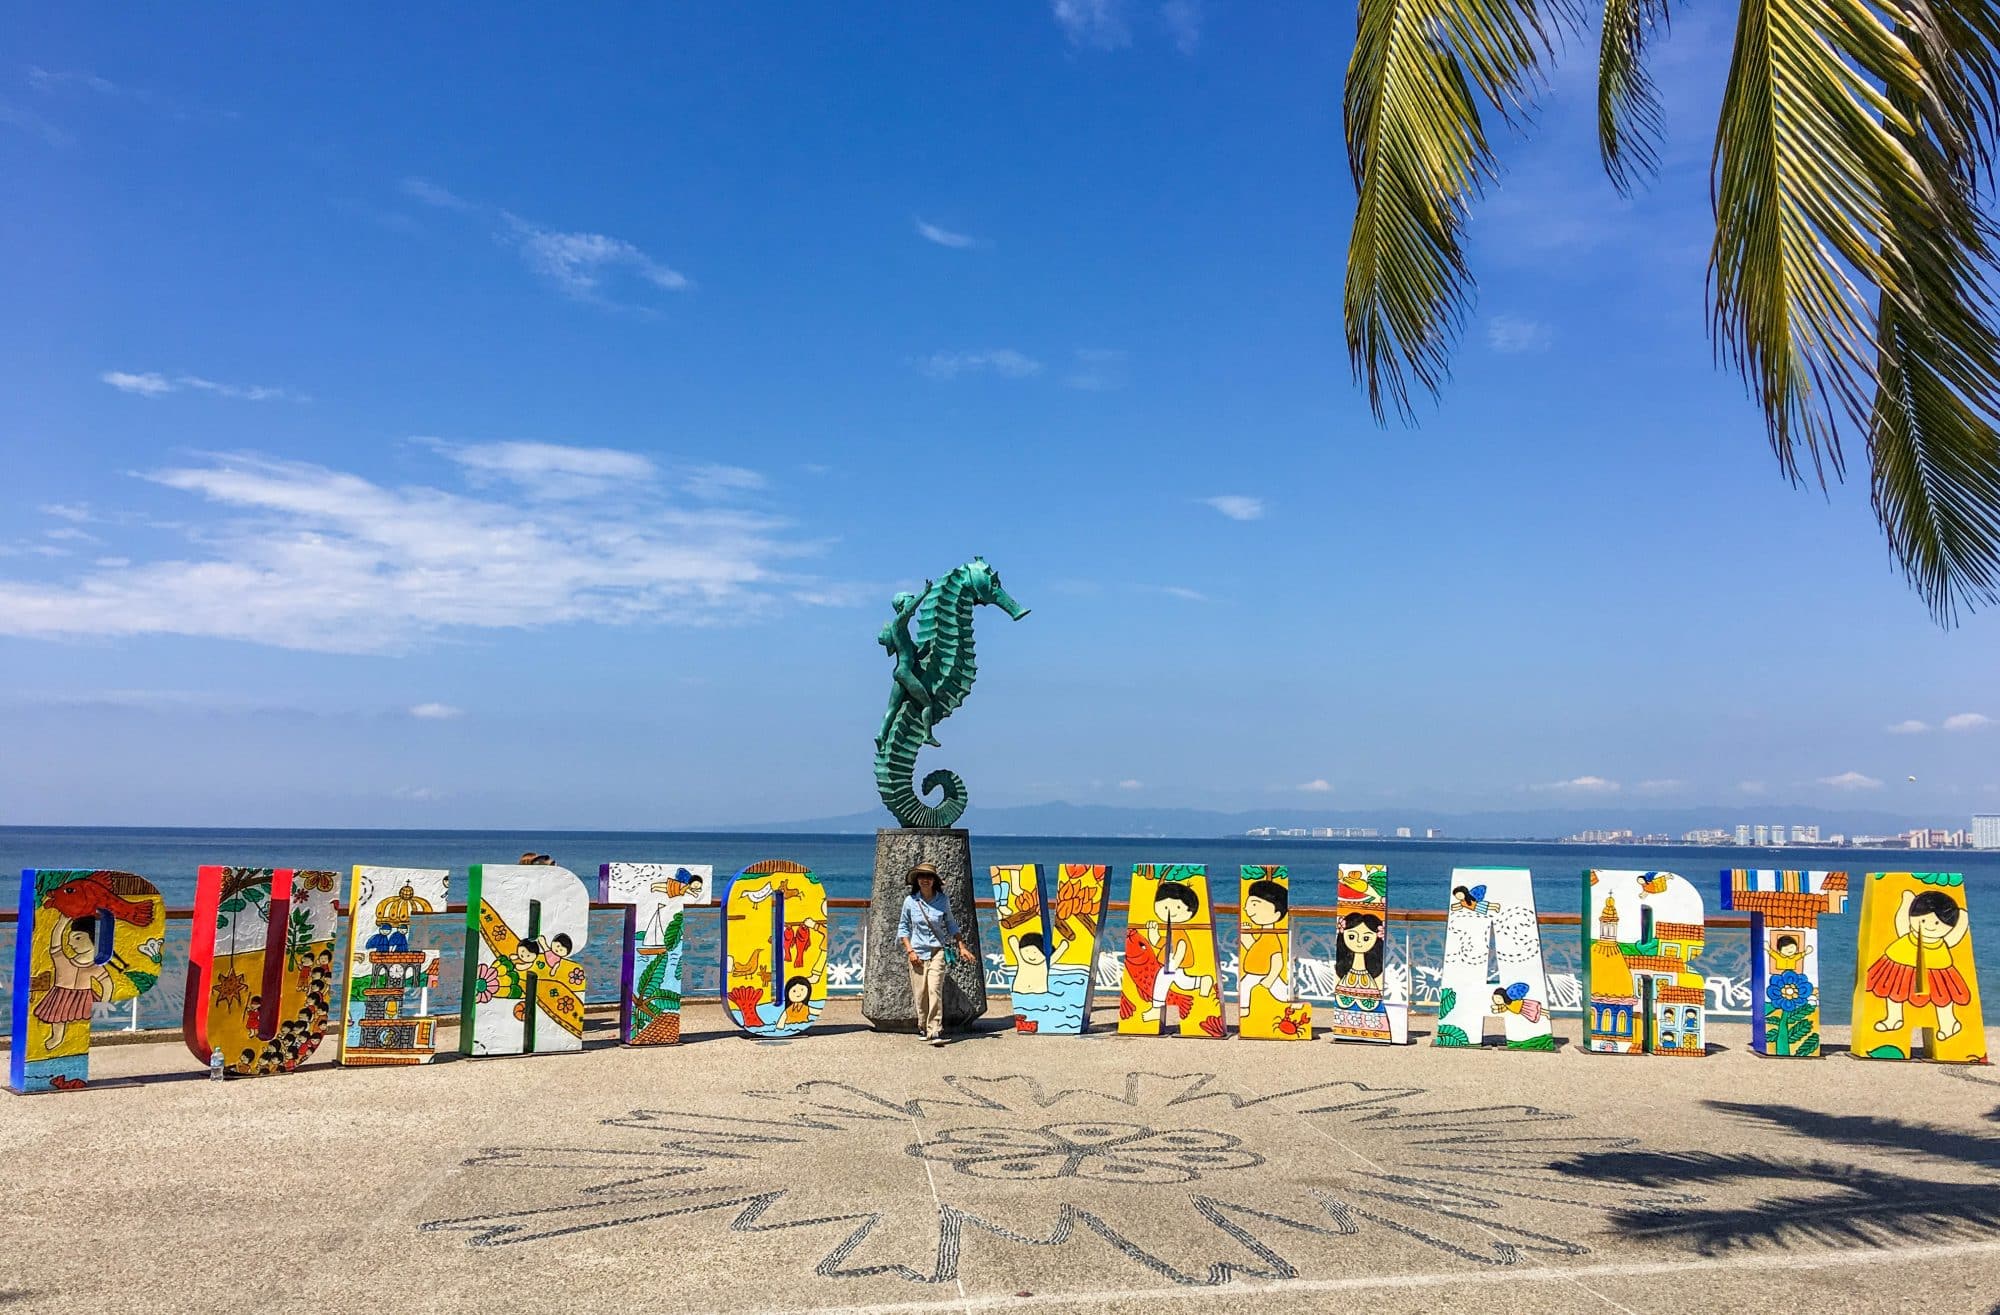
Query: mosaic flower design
x=1102, y=1152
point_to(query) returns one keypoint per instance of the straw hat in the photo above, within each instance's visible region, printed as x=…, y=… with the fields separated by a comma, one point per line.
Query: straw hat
x=924, y=870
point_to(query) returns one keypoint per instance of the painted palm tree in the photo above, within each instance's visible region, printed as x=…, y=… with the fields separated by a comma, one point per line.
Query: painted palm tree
x=1850, y=275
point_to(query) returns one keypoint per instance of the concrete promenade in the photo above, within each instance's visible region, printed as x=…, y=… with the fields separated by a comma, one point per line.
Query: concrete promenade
x=848, y=1170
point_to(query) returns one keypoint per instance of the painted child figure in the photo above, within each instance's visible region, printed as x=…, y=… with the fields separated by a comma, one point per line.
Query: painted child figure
x=1176, y=903
x=1031, y=976
x=1917, y=967
x=1263, y=958
x=79, y=980
x=1513, y=999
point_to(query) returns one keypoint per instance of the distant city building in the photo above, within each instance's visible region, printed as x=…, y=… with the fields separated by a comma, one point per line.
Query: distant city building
x=1986, y=830
x=1322, y=833
x=1402, y=833
x=1742, y=833
x=1597, y=837
x=1777, y=835
x=1706, y=836
x=1805, y=835
x=1433, y=833
x=1760, y=835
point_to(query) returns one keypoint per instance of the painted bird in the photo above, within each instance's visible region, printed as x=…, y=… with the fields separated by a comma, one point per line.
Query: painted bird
x=1653, y=883
x=86, y=897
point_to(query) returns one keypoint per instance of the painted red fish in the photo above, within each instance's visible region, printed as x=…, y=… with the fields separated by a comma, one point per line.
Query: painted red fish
x=85, y=897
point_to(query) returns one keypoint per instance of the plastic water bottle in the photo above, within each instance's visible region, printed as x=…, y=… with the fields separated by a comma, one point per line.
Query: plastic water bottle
x=215, y=1065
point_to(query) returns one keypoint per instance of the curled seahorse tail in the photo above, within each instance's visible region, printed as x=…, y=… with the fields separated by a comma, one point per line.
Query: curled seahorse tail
x=952, y=808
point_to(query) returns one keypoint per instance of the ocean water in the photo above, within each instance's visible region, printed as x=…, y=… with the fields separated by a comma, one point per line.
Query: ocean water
x=1419, y=874
x=1418, y=870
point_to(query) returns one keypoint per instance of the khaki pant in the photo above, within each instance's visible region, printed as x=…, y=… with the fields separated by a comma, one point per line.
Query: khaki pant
x=927, y=990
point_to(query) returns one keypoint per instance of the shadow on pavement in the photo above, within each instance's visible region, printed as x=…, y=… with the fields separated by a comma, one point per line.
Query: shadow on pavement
x=1827, y=1200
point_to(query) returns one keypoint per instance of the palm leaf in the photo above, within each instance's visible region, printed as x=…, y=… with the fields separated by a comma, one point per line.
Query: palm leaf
x=1628, y=106
x=1934, y=455
x=1804, y=154
x=1417, y=148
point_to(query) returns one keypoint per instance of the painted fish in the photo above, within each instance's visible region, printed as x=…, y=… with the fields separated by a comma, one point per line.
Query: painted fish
x=84, y=897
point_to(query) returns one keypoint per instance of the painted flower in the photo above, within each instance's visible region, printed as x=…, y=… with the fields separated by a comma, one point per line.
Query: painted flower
x=489, y=983
x=1103, y=1152
x=1790, y=991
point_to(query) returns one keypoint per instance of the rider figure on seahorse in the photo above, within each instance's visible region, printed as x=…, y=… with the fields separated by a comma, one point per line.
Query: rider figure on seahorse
x=933, y=674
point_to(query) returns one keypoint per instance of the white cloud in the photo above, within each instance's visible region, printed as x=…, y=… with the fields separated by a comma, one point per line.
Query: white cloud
x=579, y=264
x=1582, y=785
x=1093, y=24
x=246, y=392
x=1184, y=593
x=14, y=116
x=436, y=712
x=1097, y=369
x=145, y=385
x=1851, y=781
x=1183, y=19
x=1318, y=785
x=550, y=471
x=428, y=192
x=1131, y=785
x=1003, y=361
x=1237, y=506
x=418, y=794
x=1753, y=787
x=585, y=267
x=301, y=556
x=944, y=237
x=716, y=482
x=1511, y=334
x=1662, y=785
x=154, y=384
x=1967, y=721
x=1910, y=727
x=49, y=81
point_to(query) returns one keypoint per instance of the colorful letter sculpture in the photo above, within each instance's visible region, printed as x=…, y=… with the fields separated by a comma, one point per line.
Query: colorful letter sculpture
x=1641, y=931
x=390, y=975
x=1050, y=945
x=84, y=939
x=260, y=967
x=774, y=945
x=1365, y=1007
x=655, y=896
x=1490, y=915
x=1914, y=971
x=1170, y=958
x=524, y=988
x=1785, y=909
x=1267, y=1003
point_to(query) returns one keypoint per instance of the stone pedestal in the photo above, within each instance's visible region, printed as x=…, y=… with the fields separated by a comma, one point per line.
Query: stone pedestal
x=885, y=997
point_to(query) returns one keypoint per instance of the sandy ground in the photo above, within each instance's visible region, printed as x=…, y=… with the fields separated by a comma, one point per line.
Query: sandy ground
x=849, y=1170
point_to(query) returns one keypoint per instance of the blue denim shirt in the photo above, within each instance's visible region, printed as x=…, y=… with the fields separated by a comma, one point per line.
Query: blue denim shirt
x=927, y=925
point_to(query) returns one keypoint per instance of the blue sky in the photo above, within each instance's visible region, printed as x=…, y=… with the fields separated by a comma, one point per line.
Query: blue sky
x=486, y=415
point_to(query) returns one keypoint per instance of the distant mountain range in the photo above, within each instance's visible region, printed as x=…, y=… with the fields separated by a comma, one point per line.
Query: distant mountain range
x=1058, y=819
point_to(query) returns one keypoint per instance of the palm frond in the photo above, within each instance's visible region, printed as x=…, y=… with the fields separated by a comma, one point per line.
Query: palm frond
x=1933, y=452
x=1805, y=154
x=1417, y=146
x=1628, y=105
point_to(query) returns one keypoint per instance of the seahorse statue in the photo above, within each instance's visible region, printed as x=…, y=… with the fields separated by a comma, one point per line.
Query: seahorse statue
x=934, y=672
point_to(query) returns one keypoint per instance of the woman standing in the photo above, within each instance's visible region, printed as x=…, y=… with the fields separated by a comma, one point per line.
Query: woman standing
x=925, y=927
